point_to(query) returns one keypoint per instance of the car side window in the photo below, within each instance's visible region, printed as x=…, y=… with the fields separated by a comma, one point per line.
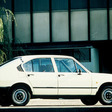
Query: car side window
x=40, y=65
x=65, y=65
x=79, y=67
x=35, y=65
x=28, y=66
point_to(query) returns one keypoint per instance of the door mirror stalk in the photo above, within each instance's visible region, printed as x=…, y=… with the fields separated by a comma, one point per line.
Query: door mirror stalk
x=79, y=72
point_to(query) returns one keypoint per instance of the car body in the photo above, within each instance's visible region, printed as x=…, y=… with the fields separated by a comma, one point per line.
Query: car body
x=52, y=76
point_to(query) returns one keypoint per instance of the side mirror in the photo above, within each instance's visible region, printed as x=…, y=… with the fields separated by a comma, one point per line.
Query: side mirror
x=79, y=73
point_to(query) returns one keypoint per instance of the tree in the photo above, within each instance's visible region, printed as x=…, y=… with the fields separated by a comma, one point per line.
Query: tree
x=6, y=16
x=6, y=49
x=1, y=30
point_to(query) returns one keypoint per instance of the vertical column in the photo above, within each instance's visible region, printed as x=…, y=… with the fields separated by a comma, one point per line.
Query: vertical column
x=50, y=19
x=88, y=2
x=69, y=19
x=108, y=21
x=31, y=19
x=13, y=29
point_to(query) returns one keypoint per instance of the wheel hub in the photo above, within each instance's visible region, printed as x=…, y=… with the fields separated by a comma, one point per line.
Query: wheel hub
x=107, y=95
x=19, y=96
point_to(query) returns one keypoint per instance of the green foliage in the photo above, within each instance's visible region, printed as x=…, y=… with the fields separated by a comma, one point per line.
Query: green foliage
x=2, y=53
x=6, y=49
x=4, y=1
x=6, y=16
x=1, y=30
x=3, y=56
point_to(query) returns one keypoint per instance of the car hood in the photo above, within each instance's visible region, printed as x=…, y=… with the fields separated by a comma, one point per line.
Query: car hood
x=102, y=74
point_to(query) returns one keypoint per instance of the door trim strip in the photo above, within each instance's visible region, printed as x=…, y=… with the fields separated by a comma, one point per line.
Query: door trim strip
x=65, y=87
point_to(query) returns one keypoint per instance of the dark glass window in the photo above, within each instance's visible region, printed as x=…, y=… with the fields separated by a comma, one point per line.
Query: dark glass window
x=40, y=5
x=110, y=3
x=6, y=4
x=59, y=4
x=22, y=5
x=82, y=54
x=98, y=20
x=78, y=4
x=98, y=3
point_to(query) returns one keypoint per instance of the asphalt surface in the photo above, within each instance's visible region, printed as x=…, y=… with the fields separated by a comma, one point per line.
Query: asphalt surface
x=43, y=105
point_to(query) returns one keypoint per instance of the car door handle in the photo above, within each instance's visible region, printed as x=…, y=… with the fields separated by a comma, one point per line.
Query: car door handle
x=30, y=75
x=61, y=75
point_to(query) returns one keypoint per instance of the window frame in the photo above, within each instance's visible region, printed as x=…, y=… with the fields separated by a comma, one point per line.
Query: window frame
x=24, y=67
x=39, y=65
x=75, y=64
x=79, y=68
x=65, y=65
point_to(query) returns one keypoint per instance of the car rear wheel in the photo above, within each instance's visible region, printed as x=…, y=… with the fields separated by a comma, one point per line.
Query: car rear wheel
x=106, y=96
x=92, y=100
x=20, y=96
x=5, y=101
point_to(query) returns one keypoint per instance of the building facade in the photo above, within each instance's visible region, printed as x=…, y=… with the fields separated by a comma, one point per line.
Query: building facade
x=79, y=28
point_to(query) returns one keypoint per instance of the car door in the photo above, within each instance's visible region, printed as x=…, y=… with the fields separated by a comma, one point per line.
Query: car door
x=42, y=76
x=70, y=81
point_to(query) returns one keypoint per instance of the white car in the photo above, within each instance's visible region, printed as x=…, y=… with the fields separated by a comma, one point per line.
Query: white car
x=52, y=76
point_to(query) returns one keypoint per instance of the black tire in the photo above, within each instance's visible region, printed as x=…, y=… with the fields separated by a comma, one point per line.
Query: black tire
x=5, y=101
x=20, y=96
x=92, y=100
x=106, y=96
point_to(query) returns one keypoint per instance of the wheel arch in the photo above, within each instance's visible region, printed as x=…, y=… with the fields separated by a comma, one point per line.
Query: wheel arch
x=21, y=85
x=102, y=86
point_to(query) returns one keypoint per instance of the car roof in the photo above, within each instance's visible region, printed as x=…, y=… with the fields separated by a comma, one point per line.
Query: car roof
x=29, y=57
x=42, y=56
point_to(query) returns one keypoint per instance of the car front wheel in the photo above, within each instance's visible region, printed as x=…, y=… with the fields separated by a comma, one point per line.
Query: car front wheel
x=106, y=96
x=20, y=96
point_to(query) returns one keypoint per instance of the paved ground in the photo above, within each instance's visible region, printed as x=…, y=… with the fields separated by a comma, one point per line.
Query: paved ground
x=45, y=105
x=55, y=102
